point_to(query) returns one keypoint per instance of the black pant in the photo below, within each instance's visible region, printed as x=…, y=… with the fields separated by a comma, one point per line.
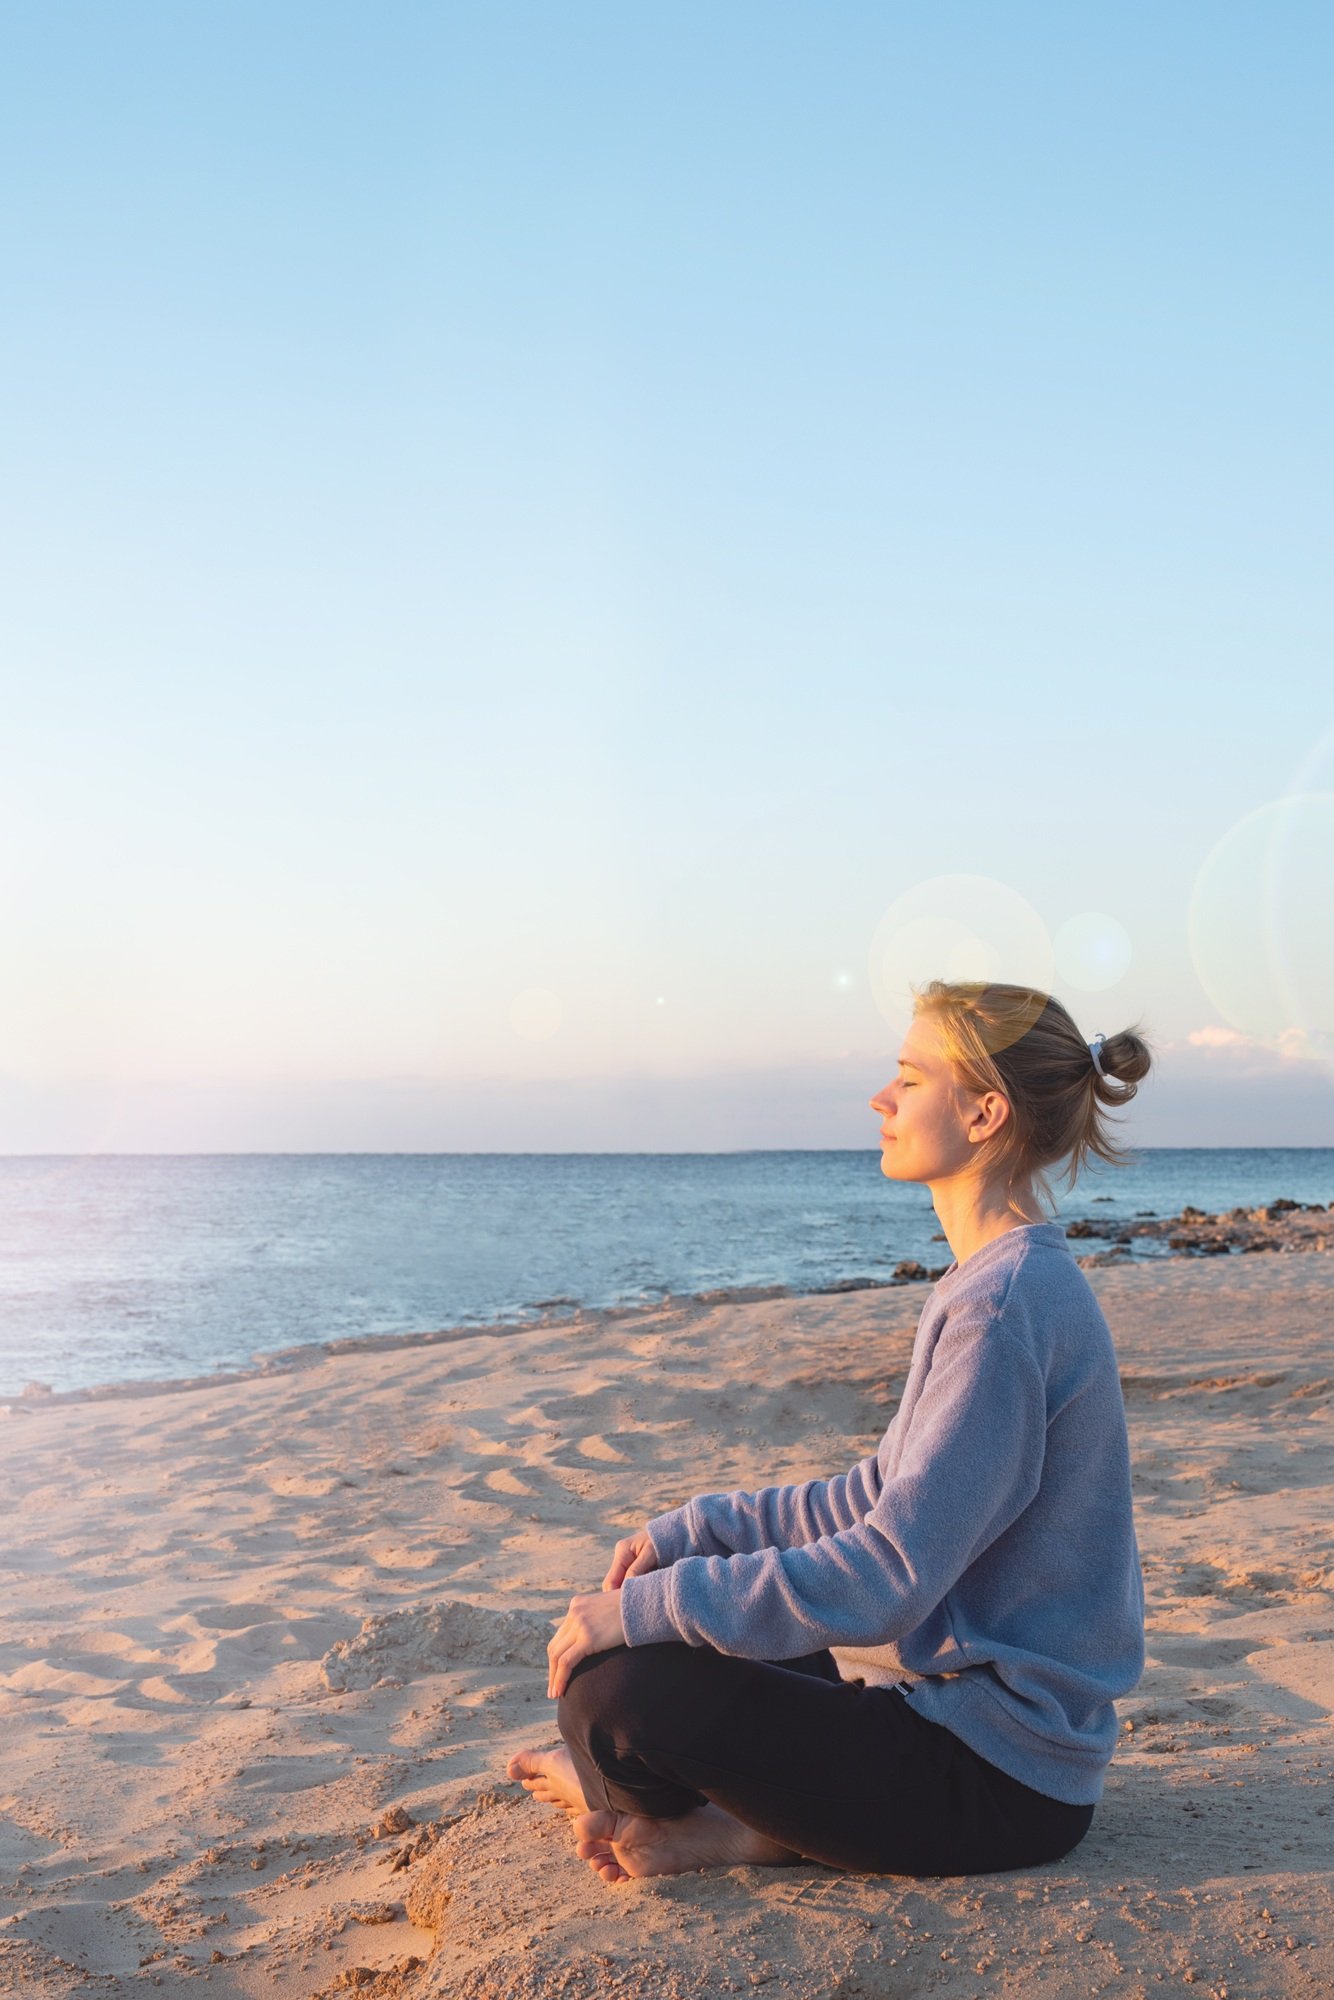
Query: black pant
x=844, y=1774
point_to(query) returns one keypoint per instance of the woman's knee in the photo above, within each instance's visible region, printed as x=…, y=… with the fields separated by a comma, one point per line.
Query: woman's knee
x=605, y=1684
x=634, y=1684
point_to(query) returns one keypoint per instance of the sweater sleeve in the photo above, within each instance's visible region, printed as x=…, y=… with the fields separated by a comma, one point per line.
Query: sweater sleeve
x=971, y=1462
x=776, y=1517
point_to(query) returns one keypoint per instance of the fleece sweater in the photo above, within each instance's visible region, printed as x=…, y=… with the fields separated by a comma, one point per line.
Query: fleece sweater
x=985, y=1554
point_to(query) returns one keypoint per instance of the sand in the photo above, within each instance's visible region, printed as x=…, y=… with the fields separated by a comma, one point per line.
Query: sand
x=267, y=1644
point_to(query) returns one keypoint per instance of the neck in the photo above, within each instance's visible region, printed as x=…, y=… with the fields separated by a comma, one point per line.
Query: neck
x=973, y=1215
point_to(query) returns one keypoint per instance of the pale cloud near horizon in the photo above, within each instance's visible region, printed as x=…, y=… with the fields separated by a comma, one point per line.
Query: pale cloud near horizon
x=1290, y=1045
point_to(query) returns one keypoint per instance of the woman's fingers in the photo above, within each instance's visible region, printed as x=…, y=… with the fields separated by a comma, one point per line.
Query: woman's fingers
x=633, y=1557
x=563, y=1661
x=564, y=1651
x=555, y=1650
x=593, y=1624
x=621, y=1563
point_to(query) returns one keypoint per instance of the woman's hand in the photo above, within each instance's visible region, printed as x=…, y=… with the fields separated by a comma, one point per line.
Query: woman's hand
x=591, y=1625
x=633, y=1556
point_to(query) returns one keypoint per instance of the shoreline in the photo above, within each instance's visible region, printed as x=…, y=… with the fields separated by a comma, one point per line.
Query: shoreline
x=1280, y=1226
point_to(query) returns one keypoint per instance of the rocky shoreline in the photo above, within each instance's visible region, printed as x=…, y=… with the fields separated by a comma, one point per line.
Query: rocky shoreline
x=1280, y=1225
x=1283, y=1224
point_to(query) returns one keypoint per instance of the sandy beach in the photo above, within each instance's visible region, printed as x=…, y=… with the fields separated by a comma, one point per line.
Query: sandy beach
x=266, y=1645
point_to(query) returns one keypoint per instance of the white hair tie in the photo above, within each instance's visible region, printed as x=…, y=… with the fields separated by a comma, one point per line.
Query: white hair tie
x=1095, y=1050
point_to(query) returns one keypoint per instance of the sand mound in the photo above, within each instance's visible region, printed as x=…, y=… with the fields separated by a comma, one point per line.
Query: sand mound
x=402, y=1645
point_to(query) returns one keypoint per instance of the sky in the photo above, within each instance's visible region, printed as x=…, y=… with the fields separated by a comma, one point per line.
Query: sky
x=556, y=558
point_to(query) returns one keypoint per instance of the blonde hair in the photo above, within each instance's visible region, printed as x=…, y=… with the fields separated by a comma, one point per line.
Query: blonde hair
x=1024, y=1044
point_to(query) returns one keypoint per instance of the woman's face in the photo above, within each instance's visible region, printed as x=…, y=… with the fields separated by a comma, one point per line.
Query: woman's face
x=923, y=1113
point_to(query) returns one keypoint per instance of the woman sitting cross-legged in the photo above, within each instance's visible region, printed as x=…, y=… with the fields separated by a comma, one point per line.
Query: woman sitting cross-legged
x=910, y=1668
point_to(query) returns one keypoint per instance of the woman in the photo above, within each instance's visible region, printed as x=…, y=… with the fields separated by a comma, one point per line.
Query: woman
x=909, y=1668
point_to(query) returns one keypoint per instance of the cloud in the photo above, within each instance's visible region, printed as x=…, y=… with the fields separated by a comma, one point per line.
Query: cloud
x=1281, y=1049
x=1220, y=1038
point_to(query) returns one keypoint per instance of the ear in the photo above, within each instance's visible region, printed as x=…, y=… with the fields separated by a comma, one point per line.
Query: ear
x=989, y=1116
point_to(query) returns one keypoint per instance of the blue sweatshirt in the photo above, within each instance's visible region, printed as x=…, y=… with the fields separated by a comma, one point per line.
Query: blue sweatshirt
x=986, y=1552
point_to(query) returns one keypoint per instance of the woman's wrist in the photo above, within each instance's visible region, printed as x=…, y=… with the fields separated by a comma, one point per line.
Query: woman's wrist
x=671, y=1536
x=645, y=1608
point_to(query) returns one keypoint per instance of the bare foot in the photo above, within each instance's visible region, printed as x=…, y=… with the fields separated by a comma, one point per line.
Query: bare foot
x=617, y=1846
x=549, y=1775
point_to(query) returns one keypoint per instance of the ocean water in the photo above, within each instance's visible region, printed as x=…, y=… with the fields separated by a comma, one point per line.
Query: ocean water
x=126, y=1268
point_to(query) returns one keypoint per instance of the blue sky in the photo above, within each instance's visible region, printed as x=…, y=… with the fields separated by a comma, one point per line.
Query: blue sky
x=530, y=533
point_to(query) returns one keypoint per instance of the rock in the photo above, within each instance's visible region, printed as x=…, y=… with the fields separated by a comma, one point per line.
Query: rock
x=851, y=1285
x=1281, y=1206
x=397, y=1820
x=909, y=1269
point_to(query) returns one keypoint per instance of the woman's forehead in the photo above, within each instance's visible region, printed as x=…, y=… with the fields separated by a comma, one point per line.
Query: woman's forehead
x=912, y=1056
x=920, y=1047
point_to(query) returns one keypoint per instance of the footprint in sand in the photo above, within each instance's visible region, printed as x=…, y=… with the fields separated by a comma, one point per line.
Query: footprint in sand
x=1248, y=1589
x=47, y=1677
x=1167, y=1650
x=398, y=1556
x=599, y=1447
x=235, y=1617
x=509, y=1482
x=300, y=1485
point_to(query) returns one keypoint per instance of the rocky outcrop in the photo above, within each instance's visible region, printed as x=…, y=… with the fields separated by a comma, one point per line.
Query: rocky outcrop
x=1283, y=1224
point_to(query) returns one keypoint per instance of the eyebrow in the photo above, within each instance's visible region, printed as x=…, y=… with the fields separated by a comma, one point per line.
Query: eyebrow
x=911, y=1065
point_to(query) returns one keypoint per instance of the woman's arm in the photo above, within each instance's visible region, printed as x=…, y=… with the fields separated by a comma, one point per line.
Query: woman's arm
x=970, y=1465
x=775, y=1517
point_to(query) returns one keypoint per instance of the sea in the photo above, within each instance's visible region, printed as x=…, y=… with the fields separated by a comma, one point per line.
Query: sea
x=130, y=1269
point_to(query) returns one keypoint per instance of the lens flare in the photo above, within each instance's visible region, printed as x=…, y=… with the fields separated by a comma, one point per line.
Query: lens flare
x=1256, y=925
x=956, y=927
x=1315, y=773
x=1092, y=951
